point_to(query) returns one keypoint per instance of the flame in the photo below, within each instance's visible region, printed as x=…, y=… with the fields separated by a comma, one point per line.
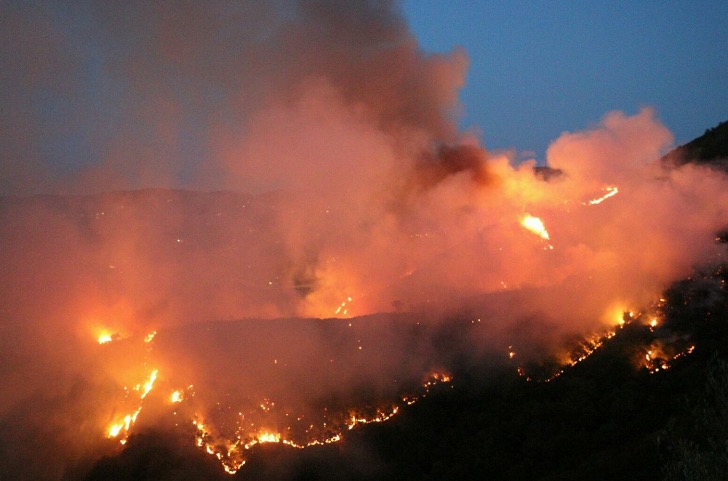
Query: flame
x=440, y=377
x=655, y=358
x=115, y=429
x=535, y=225
x=230, y=452
x=586, y=347
x=610, y=192
x=229, y=442
x=619, y=315
x=123, y=426
x=104, y=338
x=268, y=437
x=149, y=383
x=659, y=358
x=104, y=335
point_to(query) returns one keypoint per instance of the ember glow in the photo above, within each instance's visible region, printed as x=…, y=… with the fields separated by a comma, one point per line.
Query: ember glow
x=342, y=309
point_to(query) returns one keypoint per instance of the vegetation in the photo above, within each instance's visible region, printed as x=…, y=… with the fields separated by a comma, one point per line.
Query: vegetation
x=699, y=449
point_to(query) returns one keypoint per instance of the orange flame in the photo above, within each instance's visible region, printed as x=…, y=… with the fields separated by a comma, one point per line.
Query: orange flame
x=176, y=396
x=535, y=225
x=611, y=192
x=231, y=452
x=104, y=338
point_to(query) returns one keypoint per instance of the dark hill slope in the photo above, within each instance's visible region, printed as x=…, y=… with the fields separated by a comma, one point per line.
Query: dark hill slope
x=710, y=148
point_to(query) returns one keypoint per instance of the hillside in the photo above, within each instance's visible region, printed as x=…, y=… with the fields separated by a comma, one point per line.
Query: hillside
x=710, y=148
x=187, y=285
x=648, y=404
x=604, y=419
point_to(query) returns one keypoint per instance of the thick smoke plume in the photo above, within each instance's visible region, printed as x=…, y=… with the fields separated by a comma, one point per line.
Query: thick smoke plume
x=323, y=176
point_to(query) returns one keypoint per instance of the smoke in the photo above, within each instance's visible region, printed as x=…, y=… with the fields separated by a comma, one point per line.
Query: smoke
x=247, y=96
x=324, y=176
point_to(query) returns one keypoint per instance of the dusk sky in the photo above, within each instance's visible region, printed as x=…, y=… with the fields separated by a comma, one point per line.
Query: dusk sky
x=538, y=69
x=97, y=97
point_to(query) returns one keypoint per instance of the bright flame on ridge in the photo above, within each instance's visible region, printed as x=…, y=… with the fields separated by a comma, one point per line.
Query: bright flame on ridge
x=176, y=396
x=231, y=452
x=535, y=225
x=104, y=338
x=611, y=192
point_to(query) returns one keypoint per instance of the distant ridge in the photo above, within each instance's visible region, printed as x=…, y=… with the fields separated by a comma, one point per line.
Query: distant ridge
x=711, y=148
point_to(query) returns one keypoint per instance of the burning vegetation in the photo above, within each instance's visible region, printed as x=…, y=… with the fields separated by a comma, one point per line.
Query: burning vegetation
x=609, y=391
x=652, y=340
x=228, y=431
x=237, y=386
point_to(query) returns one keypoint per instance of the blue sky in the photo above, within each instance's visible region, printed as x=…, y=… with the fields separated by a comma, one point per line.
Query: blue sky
x=540, y=68
x=124, y=95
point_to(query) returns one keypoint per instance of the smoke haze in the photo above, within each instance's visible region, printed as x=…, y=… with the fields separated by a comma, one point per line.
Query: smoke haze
x=323, y=175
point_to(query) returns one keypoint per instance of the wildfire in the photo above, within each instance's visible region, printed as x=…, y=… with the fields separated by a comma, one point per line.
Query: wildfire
x=619, y=316
x=535, y=225
x=267, y=437
x=105, y=338
x=260, y=423
x=148, y=384
x=585, y=348
x=657, y=358
x=438, y=377
x=610, y=192
x=123, y=427
x=230, y=451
